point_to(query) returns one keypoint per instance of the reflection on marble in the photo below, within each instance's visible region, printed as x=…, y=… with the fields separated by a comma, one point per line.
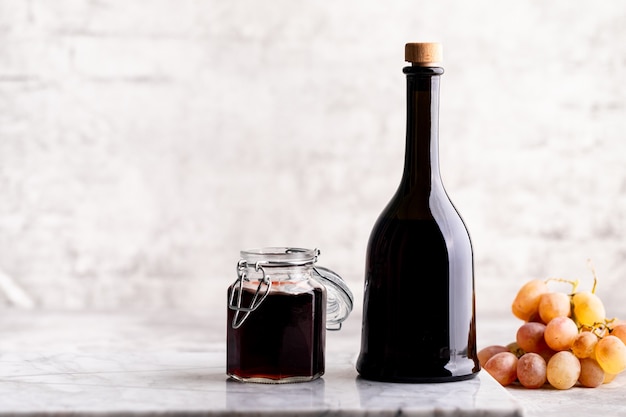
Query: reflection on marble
x=95, y=364
x=164, y=363
x=342, y=392
x=194, y=382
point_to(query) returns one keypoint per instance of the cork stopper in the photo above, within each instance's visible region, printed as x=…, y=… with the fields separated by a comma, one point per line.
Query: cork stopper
x=423, y=54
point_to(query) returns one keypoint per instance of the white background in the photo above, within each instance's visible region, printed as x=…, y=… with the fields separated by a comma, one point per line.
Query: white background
x=144, y=143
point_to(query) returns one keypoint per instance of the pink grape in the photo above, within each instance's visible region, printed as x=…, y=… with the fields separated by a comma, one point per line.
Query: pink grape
x=554, y=304
x=560, y=333
x=503, y=367
x=619, y=331
x=486, y=353
x=591, y=374
x=531, y=370
x=530, y=338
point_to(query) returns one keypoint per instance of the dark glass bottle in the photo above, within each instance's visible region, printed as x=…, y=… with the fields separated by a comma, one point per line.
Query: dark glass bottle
x=418, y=311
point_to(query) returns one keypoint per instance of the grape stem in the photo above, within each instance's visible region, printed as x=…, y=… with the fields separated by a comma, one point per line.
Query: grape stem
x=595, y=278
x=574, y=283
x=600, y=329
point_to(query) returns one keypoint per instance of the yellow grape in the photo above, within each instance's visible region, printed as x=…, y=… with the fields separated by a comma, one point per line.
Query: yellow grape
x=560, y=333
x=563, y=370
x=526, y=301
x=588, y=308
x=514, y=348
x=608, y=378
x=611, y=354
x=584, y=344
x=553, y=304
x=591, y=374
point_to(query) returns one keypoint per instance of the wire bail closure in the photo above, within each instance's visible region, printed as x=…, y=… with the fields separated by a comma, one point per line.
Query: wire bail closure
x=339, y=298
x=242, y=276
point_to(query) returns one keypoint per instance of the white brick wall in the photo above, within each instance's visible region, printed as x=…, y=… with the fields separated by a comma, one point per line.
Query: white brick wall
x=144, y=143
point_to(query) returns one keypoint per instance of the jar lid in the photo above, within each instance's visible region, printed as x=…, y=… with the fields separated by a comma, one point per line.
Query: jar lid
x=280, y=256
x=339, y=298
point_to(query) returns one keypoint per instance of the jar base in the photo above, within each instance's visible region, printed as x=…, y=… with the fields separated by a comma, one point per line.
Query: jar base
x=277, y=380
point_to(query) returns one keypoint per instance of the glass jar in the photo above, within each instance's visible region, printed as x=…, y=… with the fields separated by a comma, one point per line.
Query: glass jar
x=279, y=308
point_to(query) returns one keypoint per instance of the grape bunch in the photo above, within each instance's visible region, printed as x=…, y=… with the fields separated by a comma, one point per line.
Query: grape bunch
x=566, y=339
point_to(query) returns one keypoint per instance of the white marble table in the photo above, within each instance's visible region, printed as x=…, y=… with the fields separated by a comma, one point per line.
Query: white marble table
x=194, y=383
x=97, y=364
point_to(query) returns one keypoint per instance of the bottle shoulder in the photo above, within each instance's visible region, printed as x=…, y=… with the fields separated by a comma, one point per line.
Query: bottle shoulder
x=419, y=203
x=406, y=210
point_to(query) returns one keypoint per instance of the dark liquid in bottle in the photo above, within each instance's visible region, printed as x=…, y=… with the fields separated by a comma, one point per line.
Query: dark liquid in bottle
x=407, y=335
x=283, y=339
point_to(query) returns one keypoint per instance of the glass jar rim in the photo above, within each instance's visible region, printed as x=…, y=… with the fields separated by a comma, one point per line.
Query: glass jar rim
x=280, y=256
x=339, y=298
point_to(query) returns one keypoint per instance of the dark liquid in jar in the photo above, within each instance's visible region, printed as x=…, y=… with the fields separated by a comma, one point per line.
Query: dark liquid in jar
x=283, y=339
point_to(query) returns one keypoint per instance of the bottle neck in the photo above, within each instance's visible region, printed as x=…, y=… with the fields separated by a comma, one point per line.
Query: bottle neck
x=421, y=160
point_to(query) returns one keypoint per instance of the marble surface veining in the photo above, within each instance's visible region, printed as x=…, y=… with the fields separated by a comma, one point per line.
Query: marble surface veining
x=173, y=364
x=167, y=365
x=194, y=382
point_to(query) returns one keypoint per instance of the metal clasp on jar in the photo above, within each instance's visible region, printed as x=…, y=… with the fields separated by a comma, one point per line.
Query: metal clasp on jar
x=262, y=290
x=339, y=296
